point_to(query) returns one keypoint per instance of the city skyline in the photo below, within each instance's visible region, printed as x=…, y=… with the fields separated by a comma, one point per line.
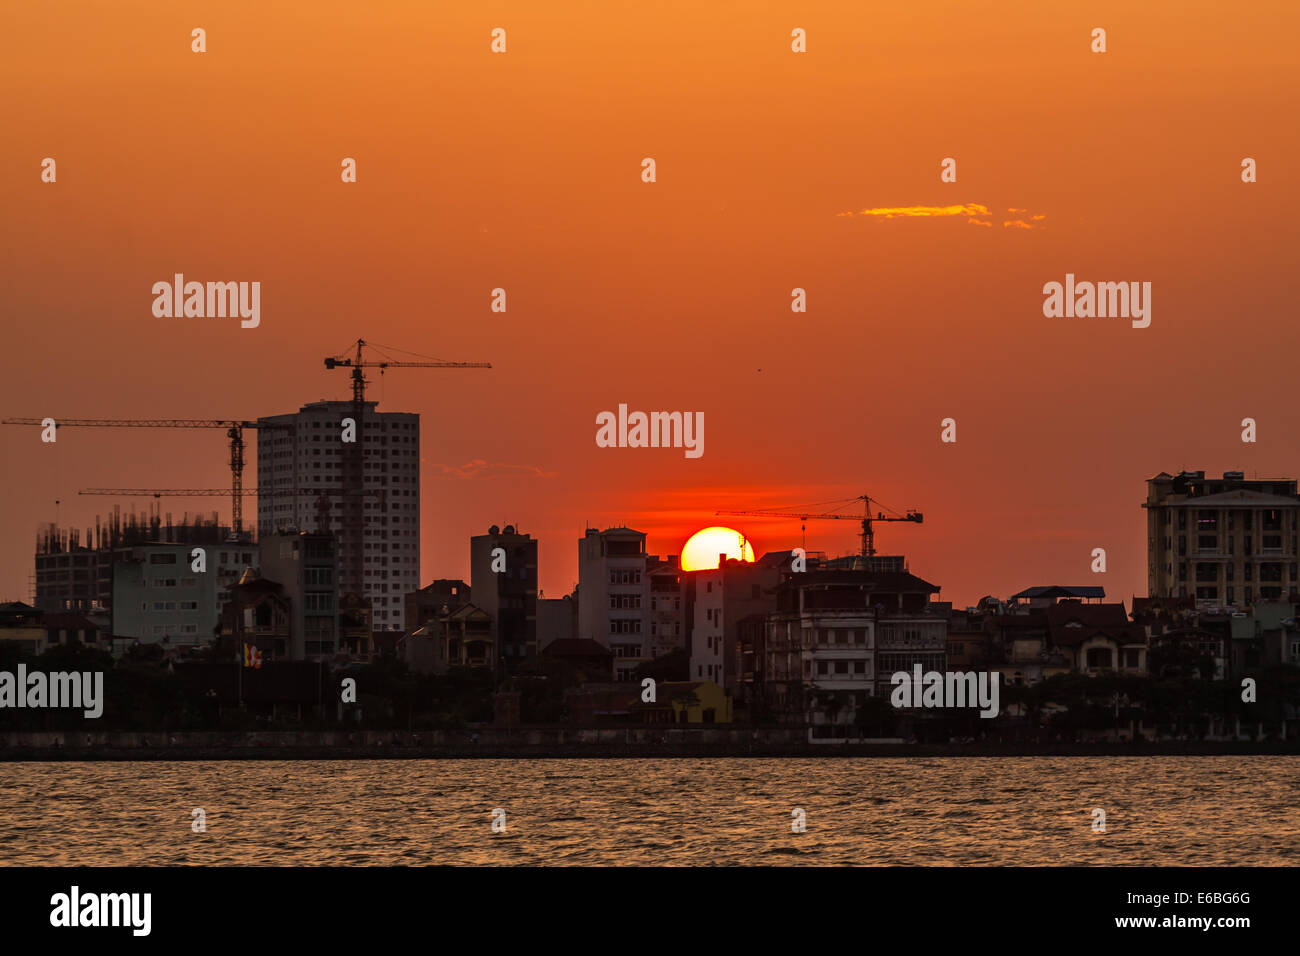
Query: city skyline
x=775, y=172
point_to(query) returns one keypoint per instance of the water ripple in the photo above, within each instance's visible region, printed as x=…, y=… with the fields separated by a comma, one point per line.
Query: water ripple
x=1189, y=811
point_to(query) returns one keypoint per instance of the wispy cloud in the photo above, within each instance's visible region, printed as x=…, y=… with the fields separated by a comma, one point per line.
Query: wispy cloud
x=479, y=468
x=976, y=214
x=970, y=209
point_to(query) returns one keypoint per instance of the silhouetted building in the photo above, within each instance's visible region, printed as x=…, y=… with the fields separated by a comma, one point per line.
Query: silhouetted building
x=258, y=613
x=508, y=595
x=668, y=623
x=74, y=627
x=306, y=565
x=431, y=600
x=24, y=625
x=836, y=638
x=356, y=631
x=723, y=596
x=1096, y=639
x=557, y=620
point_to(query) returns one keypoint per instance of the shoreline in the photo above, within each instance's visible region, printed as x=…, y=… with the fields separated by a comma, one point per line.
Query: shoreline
x=553, y=743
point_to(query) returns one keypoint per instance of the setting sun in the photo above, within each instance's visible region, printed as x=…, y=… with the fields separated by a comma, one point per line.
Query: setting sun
x=702, y=550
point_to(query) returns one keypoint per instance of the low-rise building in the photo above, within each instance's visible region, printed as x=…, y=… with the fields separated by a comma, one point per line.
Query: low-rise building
x=258, y=613
x=24, y=625
x=685, y=702
x=614, y=596
x=823, y=655
x=723, y=597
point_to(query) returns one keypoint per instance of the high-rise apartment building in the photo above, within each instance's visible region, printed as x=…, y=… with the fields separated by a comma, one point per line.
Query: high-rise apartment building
x=378, y=529
x=1227, y=541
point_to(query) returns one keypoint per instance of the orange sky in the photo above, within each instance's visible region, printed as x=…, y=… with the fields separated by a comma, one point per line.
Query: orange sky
x=522, y=171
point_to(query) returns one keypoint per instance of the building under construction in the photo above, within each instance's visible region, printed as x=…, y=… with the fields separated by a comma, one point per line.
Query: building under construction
x=76, y=574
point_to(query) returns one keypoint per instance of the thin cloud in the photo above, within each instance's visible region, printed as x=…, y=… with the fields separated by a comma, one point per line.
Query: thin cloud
x=480, y=468
x=1022, y=222
x=976, y=214
x=970, y=209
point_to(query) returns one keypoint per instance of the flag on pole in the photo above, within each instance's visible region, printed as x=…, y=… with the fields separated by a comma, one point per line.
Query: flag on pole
x=252, y=656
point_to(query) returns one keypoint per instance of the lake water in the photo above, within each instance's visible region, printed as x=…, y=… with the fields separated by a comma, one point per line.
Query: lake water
x=869, y=811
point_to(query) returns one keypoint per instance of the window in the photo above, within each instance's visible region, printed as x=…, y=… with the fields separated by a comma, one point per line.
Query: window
x=1100, y=657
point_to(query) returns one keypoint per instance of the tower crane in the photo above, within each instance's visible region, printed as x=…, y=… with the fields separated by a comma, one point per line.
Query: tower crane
x=351, y=575
x=234, y=431
x=868, y=519
x=357, y=364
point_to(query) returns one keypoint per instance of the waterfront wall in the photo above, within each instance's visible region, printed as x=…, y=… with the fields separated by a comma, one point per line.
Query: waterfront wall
x=555, y=742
